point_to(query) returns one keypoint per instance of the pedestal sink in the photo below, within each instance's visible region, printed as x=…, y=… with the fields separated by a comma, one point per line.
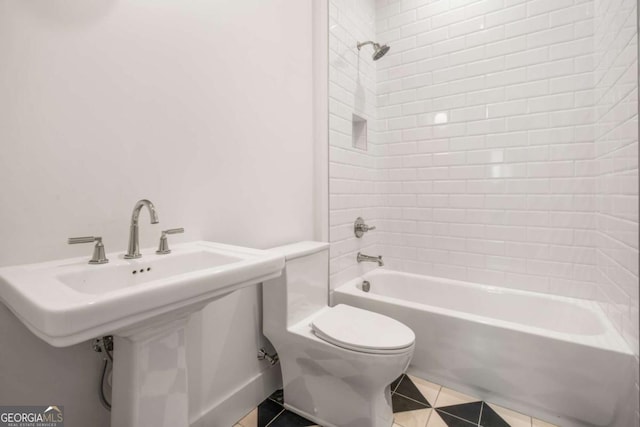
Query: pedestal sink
x=145, y=303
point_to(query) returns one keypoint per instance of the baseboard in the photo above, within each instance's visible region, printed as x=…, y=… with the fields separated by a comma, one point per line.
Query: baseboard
x=241, y=401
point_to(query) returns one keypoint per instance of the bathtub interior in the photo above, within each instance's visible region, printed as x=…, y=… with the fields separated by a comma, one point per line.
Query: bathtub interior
x=565, y=318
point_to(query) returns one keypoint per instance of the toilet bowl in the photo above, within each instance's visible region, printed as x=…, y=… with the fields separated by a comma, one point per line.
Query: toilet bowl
x=337, y=362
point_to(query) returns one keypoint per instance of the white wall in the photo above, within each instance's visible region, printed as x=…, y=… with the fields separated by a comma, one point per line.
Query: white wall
x=616, y=143
x=203, y=107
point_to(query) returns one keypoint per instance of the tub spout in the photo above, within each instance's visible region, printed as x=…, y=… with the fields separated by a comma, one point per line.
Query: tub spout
x=368, y=258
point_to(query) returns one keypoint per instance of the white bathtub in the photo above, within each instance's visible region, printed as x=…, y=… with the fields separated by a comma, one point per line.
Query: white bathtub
x=552, y=357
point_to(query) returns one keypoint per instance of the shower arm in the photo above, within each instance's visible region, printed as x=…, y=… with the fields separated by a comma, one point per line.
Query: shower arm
x=366, y=43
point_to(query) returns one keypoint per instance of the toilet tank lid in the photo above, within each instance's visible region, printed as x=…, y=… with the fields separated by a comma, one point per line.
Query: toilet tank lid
x=300, y=249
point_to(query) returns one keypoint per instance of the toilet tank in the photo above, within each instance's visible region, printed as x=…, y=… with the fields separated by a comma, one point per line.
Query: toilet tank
x=302, y=289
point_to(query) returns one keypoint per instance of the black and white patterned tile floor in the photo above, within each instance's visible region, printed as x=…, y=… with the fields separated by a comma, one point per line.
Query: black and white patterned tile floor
x=416, y=403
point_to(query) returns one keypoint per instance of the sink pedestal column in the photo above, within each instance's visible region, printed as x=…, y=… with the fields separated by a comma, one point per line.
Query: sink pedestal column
x=150, y=376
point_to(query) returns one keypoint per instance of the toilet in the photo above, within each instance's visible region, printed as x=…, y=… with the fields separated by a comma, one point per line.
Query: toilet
x=337, y=362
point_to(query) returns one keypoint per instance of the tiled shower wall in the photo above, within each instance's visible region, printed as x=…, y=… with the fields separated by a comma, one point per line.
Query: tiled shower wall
x=486, y=131
x=352, y=89
x=616, y=152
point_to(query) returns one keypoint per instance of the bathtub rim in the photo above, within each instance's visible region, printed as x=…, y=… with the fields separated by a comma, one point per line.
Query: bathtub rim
x=610, y=340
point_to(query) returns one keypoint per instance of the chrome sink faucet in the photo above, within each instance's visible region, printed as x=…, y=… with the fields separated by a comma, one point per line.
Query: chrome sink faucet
x=368, y=258
x=134, y=233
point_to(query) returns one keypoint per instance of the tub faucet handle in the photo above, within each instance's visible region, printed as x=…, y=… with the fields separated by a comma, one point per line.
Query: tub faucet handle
x=99, y=256
x=359, y=227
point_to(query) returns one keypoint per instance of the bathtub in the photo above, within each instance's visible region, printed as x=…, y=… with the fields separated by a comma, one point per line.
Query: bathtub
x=551, y=357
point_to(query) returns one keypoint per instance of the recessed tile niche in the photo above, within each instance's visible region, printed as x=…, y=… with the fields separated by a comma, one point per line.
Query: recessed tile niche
x=359, y=132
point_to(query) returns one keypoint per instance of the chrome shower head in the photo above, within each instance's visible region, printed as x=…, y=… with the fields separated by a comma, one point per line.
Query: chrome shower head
x=378, y=51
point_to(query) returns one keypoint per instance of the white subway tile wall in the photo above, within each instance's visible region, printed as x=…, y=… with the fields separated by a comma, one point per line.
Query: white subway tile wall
x=503, y=122
x=616, y=154
x=353, y=175
x=482, y=155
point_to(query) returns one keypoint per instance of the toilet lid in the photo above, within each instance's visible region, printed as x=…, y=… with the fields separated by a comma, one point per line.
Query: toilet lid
x=362, y=330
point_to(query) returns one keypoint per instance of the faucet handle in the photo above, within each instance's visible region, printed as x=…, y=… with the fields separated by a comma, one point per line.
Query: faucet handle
x=359, y=227
x=163, y=247
x=174, y=231
x=86, y=239
x=99, y=256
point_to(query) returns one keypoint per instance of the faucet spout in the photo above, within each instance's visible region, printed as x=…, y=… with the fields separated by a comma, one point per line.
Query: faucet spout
x=138, y=207
x=134, y=231
x=368, y=258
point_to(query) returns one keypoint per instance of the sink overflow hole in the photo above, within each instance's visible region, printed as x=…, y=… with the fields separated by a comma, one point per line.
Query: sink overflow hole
x=142, y=270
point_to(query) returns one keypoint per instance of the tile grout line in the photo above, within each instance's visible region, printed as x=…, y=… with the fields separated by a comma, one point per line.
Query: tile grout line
x=274, y=418
x=437, y=395
x=431, y=405
x=455, y=416
x=275, y=401
x=402, y=377
x=413, y=400
x=429, y=416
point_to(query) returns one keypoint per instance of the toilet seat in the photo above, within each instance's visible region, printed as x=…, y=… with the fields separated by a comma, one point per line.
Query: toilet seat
x=363, y=331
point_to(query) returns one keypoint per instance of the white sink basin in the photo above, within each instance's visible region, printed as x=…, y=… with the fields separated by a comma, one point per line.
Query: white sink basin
x=69, y=301
x=126, y=274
